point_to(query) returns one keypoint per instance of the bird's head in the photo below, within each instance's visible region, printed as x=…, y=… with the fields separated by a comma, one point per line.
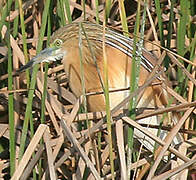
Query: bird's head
x=64, y=37
x=54, y=52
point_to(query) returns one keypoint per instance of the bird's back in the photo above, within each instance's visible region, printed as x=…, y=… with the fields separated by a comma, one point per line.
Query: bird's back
x=119, y=58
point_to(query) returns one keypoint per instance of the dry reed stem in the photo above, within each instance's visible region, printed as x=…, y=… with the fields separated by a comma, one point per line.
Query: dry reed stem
x=175, y=61
x=174, y=171
x=155, y=138
x=77, y=146
x=183, y=148
x=29, y=151
x=48, y=107
x=62, y=92
x=50, y=157
x=14, y=45
x=121, y=148
x=168, y=141
x=71, y=117
x=3, y=129
x=32, y=163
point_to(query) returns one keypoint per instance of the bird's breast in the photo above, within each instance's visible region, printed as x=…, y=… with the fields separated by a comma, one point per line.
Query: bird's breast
x=119, y=72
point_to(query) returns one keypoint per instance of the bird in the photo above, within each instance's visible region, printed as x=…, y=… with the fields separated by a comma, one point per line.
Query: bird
x=64, y=46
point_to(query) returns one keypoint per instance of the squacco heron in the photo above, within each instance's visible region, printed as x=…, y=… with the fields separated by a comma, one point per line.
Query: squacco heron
x=65, y=46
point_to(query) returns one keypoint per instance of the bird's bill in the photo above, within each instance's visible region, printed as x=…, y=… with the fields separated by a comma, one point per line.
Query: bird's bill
x=46, y=55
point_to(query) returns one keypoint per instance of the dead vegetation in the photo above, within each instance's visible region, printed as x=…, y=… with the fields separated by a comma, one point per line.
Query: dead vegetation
x=71, y=144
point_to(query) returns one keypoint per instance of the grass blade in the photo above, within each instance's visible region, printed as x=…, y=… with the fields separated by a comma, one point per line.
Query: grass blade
x=11, y=102
x=33, y=82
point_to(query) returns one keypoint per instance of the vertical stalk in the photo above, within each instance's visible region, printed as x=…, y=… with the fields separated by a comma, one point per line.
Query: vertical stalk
x=123, y=17
x=107, y=9
x=97, y=11
x=134, y=79
x=160, y=22
x=24, y=38
x=68, y=12
x=107, y=100
x=170, y=31
x=181, y=32
x=33, y=82
x=10, y=101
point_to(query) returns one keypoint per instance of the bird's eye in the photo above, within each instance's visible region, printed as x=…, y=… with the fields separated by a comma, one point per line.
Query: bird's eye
x=58, y=42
